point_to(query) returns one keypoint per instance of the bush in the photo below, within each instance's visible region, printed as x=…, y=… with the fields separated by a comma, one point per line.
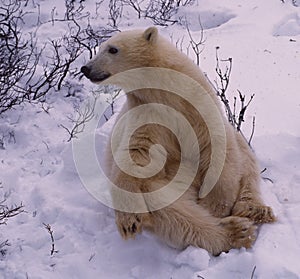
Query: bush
x=30, y=70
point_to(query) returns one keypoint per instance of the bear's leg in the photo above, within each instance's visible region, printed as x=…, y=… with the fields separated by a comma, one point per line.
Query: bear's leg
x=186, y=223
x=249, y=203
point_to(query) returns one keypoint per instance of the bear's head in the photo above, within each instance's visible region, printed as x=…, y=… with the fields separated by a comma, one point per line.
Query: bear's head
x=124, y=51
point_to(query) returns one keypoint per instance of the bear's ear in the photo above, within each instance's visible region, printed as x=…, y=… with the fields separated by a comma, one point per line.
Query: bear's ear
x=151, y=34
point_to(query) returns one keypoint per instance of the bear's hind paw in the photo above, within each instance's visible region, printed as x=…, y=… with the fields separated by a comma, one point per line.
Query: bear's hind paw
x=240, y=231
x=129, y=224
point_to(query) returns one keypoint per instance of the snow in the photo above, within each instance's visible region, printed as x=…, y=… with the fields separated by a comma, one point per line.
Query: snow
x=37, y=167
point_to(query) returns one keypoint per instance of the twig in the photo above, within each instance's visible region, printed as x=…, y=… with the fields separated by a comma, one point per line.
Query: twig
x=50, y=231
x=115, y=12
x=265, y=169
x=197, y=46
x=252, y=131
x=253, y=271
x=159, y=11
x=135, y=4
x=2, y=247
x=111, y=102
x=6, y=212
x=92, y=256
x=222, y=87
x=236, y=119
x=266, y=178
x=83, y=116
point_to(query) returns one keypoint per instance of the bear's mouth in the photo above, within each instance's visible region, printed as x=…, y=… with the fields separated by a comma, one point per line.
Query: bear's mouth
x=99, y=77
x=94, y=76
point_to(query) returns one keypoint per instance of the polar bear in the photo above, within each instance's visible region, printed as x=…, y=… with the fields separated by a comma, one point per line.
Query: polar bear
x=227, y=215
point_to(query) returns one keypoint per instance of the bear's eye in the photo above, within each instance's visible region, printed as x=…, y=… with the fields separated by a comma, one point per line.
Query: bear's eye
x=113, y=50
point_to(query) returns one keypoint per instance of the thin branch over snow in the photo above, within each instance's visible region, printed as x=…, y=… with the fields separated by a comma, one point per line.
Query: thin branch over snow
x=5, y=214
x=235, y=116
x=159, y=11
x=8, y=212
x=50, y=231
x=83, y=115
x=198, y=45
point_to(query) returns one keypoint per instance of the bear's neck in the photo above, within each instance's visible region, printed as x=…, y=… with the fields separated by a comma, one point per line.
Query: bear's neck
x=180, y=62
x=172, y=59
x=147, y=96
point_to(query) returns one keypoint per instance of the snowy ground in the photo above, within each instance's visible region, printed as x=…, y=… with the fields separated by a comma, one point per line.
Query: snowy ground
x=36, y=166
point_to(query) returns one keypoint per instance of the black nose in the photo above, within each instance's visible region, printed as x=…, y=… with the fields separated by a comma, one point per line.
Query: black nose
x=86, y=71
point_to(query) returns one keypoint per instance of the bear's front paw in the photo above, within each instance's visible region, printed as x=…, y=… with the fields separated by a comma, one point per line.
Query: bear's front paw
x=129, y=224
x=240, y=231
x=256, y=212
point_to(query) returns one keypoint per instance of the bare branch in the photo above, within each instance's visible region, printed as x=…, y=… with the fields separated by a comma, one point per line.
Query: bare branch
x=236, y=119
x=113, y=98
x=252, y=131
x=9, y=212
x=198, y=45
x=84, y=115
x=50, y=231
x=3, y=246
x=160, y=12
x=115, y=12
x=253, y=272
